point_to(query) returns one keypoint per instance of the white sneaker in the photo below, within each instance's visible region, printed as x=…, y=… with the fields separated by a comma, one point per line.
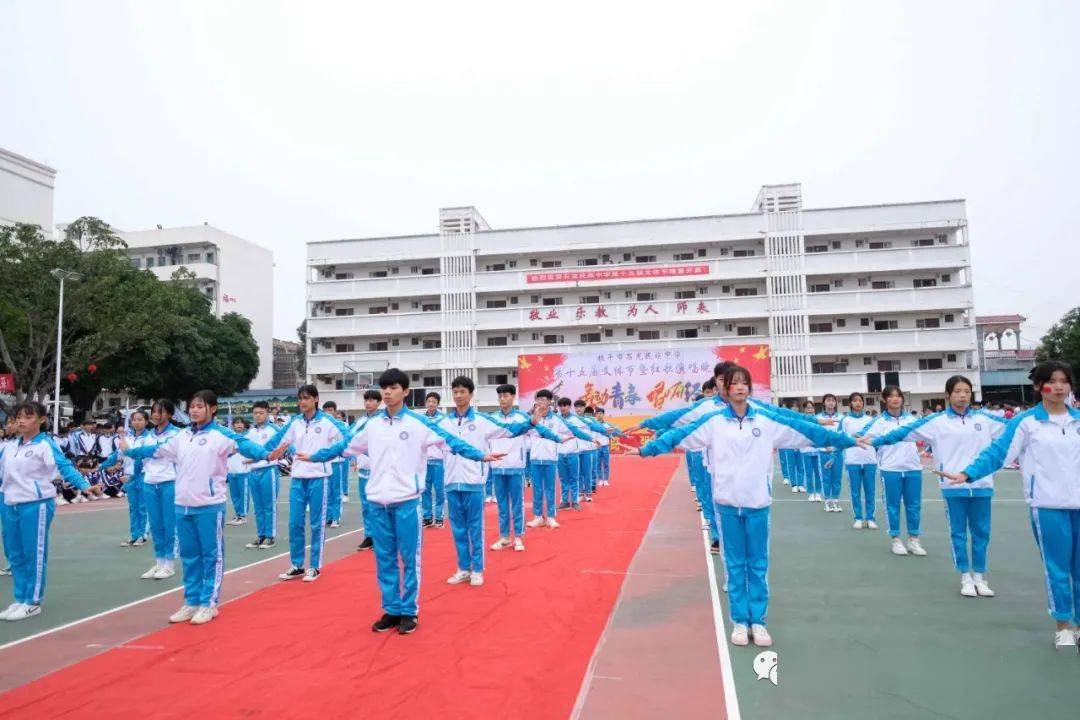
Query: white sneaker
x=149, y=574
x=551, y=523
x=794, y=488
x=204, y=615
x=236, y=521
x=858, y=524
x=915, y=547
x=459, y=577
x=184, y=614
x=967, y=586
x=476, y=579
x=981, y=586
x=311, y=575
x=345, y=499
x=61, y=501
x=489, y=500
x=518, y=545
x=535, y=522
x=163, y=572
x=898, y=547
x=22, y=612
x=501, y=543
x=335, y=523
x=786, y=481
x=870, y=524
x=762, y=638
x=802, y=488
x=10, y=609
x=740, y=635
x=827, y=507
x=1062, y=639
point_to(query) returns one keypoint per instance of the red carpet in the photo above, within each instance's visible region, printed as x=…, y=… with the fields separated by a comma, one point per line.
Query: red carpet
x=517, y=647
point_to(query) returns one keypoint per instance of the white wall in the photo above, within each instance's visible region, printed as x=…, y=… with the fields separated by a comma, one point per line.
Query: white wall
x=26, y=191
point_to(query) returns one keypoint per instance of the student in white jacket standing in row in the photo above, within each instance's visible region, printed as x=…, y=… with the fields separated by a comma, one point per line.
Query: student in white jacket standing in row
x=395, y=440
x=1046, y=442
x=957, y=435
x=508, y=474
x=861, y=464
x=546, y=459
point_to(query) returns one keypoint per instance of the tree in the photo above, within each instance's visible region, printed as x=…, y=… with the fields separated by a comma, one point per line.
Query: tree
x=301, y=357
x=1062, y=341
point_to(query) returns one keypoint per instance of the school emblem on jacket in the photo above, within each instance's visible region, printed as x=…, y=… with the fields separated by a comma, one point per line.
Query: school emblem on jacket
x=404, y=435
x=318, y=429
x=978, y=427
x=472, y=427
x=202, y=441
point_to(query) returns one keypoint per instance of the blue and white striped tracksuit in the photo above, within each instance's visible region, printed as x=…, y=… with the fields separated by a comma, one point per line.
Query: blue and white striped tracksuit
x=861, y=464
x=901, y=473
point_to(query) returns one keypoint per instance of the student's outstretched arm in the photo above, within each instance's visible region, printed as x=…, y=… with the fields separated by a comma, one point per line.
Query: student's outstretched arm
x=922, y=429
x=63, y=466
x=695, y=436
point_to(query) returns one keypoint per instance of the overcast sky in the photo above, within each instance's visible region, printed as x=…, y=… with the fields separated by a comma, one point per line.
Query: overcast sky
x=289, y=122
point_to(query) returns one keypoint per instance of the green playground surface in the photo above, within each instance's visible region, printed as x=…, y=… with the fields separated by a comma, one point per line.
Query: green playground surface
x=89, y=573
x=862, y=633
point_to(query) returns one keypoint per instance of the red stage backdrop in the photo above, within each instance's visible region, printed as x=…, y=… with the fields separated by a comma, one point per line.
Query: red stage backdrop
x=634, y=384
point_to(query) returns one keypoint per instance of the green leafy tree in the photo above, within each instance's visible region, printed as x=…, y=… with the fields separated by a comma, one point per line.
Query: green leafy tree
x=1062, y=341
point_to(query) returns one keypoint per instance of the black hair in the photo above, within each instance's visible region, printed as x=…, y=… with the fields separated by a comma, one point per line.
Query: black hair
x=309, y=390
x=735, y=372
x=145, y=415
x=242, y=420
x=545, y=393
x=463, y=382
x=87, y=420
x=433, y=394
x=1042, y=373
x=590, y=411
x=329, y=405
x=808, y=402
x=826, y=396
x=564, y=402
x=165, y=405
x=856, y=394
x=107, y=425
x=393, y=376
x=579, y=403
x=33, y=409
x=600, y=410
x=722, y=367
x=709, y=384
x=506, y=388
x=261, y=404
x=890, y=390
x=955, y=380
x=372, y=395
x=209, y=398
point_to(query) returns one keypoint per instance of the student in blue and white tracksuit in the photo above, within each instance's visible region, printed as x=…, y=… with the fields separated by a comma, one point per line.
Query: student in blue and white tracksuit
x=741, y=439
x=9, y=439
x=901, y=473
x=572, y=463
x=263, y=480
x=372, y=400
x=338, y=480
x=395, y=440
x=308, y=432
x=508, y=474
x=861, y=464
x=434, y=503
x=957, y=435
x=201, y=454
x=601, y=435
x=811, y=459
x=159, y=477
x=831, y=461
x=546, y=456
x=465, y=478
x=134, y=485
x=603, y=469
x=1046, y=442
x=30, y=464
x=237, y=478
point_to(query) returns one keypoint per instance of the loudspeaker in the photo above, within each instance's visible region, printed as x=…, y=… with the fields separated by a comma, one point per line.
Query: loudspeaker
x=873, y=382
x=892, y=378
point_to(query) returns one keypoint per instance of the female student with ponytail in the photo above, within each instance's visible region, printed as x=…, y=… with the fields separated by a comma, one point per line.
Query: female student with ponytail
x=831, y=460
x=958, y=434
x=201, y=454
x=861, y=464
x=134, y=485
x=1046, y=442
x=740, y=439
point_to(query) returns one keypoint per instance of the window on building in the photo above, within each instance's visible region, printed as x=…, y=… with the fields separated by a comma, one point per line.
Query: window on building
x=429, y=271
x=685, y=294
x=431, y=381
x=864, y=322
x=868, y=361
x=821, y=327
x=745, y=292
x=589, y=299
x=552, y=301
x=817, y=248
x=590, y=337
x=841, y=322
x=820, y=287
x=951, y=357
x=922, y=242
x=149, y=262
x=378, y=310
x=194, y=257
x=686, y=333
x=499, y=341
x=137, y=262
x=497, y=378
x=588, y=262
x=942, y=239
x=924, y=323
x=551, y=263
x=949, y=317
x=886, y=325
x=646, y=296
x=883, y=284
x=492, y=304
x=553, y=340
x=432, y=343
x=744, y=330
x=825, y=367
x=647, y=334
x=345, y=347
x=880, y=244
x=380, y=346
x=210, y=258
x=644, y=258
x=924, y=282
x=343, y=276
x=946, y=277
x=431, y=307
x=682, y=256
x=838, y=283
x=835, y=244
x=377, y=274
x=930, y=363
x=343, y=312
x=495, y=267
x=888, y=365
x=745, y=252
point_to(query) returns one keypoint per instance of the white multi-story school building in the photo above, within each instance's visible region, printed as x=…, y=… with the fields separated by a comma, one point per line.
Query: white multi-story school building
x=849, y=298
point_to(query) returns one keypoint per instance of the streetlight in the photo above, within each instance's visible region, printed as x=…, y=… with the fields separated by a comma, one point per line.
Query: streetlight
x=60, y=275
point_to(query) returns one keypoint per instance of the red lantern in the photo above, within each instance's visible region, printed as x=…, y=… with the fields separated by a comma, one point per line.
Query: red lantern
x=72, y=377
x=92, y=368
